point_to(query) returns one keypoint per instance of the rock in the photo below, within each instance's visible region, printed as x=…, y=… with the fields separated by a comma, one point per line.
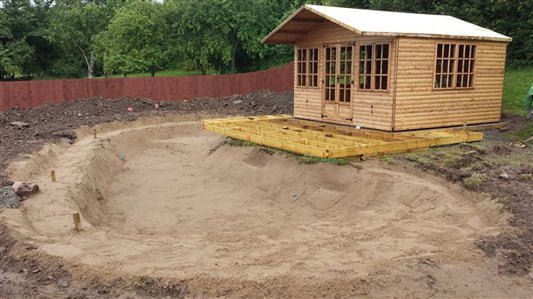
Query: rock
x=147, y=101
x=25, y=188
x=66, y=140
x=70, y=134
x=19, y=124
x=237, y=102
x=8, y=198
x=473, y=147
x=504, y=176
x=130, y=109
x=63, y=282
x=518, y=144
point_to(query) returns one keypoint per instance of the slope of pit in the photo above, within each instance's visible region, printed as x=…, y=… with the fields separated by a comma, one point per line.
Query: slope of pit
x=166, y=200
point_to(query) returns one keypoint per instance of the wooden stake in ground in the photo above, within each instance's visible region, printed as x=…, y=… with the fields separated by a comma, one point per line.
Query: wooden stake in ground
x=53, y=175
x=77, y=221
x=94, y=133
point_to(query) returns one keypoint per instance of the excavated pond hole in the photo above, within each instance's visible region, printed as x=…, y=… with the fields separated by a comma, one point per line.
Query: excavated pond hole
x=158, y=199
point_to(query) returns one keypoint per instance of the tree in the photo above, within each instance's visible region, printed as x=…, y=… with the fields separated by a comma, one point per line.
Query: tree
x=512, y=18
x=136, y=39
x=16, y=21
x=75, y=25
x=214, y=33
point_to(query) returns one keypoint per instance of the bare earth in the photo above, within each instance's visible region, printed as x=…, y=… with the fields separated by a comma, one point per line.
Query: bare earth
x=162, y=199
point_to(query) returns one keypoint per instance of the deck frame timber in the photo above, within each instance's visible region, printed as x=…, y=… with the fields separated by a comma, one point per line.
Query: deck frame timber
x=324, y=140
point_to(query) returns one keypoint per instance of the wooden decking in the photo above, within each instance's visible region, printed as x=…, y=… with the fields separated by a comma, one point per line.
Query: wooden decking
x=323, y=140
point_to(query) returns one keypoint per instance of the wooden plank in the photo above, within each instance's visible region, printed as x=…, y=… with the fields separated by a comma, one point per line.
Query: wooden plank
x=331, y=141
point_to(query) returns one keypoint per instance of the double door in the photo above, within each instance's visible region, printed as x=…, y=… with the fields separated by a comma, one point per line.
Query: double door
x=338, y=83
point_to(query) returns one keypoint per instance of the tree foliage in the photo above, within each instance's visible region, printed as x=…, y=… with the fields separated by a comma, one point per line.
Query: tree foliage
x=215, y=34
x=75, y=25
x=136, y=39
x=71, y=38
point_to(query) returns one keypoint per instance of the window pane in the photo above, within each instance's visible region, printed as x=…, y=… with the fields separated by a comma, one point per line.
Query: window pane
x=451, y=66
x=386, y=51
x=378, y=51
x=377, y=82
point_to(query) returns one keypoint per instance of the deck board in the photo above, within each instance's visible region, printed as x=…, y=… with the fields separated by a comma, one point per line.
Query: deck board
x=323, y=140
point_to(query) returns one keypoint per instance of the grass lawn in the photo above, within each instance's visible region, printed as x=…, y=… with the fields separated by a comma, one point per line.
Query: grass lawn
x=517, y=83
x=159, y=74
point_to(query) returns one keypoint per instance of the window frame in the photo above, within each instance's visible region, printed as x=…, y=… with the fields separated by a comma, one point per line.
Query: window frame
x=455, y=57
x=308, y=64
x=472, y=61
x=373, y=65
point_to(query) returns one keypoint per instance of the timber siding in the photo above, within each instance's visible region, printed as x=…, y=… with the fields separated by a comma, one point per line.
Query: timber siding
x=371, y=109
x=418, y=105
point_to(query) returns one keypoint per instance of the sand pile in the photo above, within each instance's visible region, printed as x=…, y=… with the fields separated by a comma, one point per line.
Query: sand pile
x=163, y=199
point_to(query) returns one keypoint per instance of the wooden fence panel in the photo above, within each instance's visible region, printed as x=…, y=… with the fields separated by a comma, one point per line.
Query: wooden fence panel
x=27, y=94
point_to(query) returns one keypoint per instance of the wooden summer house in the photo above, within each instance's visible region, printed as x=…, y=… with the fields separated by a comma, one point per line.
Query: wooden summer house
x=393, y=71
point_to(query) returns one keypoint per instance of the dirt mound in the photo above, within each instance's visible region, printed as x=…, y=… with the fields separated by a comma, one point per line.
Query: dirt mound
x=156, y=199
x=47, y=122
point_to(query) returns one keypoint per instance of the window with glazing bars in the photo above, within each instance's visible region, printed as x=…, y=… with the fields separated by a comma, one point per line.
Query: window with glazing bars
x=454, y=66
x=313, y=67
x=444, y=66
x=365, y=67
x=374, y=66
x=330, y=63
x=466, y=56
x=381, y=67
x=307, y=66
x=302, y=67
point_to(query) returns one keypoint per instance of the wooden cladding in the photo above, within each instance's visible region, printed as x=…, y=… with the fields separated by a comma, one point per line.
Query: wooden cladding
x=454, y=66
x=307, y=67
x=374, y=66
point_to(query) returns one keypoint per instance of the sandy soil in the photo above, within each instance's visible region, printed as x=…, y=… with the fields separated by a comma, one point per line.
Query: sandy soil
x=164, y=199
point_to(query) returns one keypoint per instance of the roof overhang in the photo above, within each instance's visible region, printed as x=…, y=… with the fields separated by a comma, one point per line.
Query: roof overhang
x=301, y=22
x=308, y=17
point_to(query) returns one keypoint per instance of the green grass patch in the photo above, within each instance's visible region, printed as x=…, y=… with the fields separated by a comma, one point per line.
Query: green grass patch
x=300, y=158
x=521, y=134
x=516, y=85
x=475, y=180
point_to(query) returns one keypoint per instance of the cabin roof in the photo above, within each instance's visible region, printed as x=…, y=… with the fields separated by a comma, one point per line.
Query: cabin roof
x=378, y=23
